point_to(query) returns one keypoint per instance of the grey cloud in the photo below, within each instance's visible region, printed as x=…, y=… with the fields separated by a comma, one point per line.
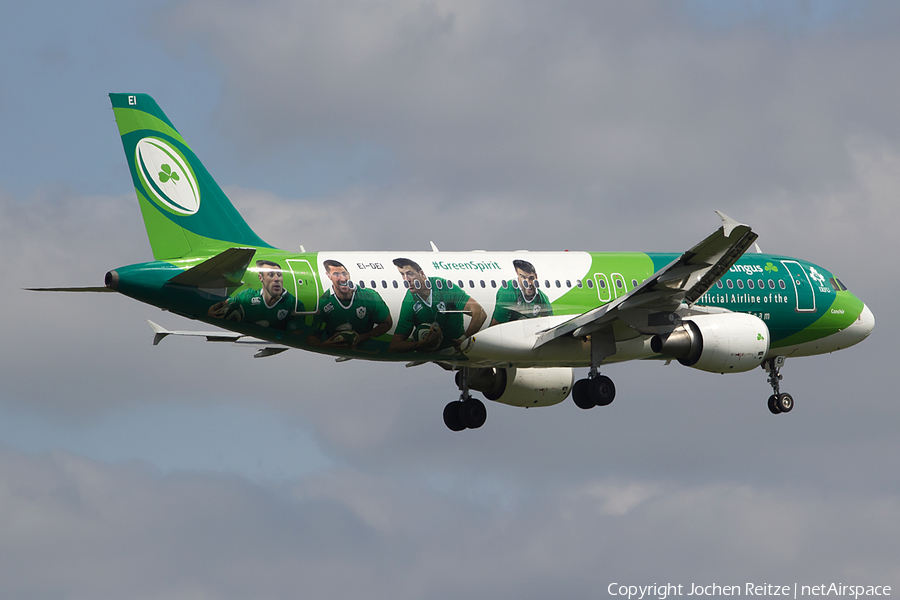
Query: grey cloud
x=85, y=529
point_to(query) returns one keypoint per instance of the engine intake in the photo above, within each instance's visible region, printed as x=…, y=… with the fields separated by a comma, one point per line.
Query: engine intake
x=725, y=343
x=522, y=387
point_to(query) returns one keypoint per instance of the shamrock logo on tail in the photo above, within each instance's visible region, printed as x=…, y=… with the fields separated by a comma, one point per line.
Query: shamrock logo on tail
x=167, y=173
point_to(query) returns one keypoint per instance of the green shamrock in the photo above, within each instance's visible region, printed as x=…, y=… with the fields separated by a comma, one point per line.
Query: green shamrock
x=759, y=337
x=167, y=173
x=771, y=268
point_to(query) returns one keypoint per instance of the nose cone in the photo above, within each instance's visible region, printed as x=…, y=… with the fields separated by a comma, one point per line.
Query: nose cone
x=858, y=330
x=864, y=324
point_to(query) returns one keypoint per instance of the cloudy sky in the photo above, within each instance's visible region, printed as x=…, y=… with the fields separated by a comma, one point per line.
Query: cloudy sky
x=191, y=470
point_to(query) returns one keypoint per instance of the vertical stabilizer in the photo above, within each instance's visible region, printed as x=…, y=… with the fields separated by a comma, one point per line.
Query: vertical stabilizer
x=185, y=211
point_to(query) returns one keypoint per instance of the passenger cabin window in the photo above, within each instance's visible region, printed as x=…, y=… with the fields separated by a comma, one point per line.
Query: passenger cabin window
x=730, y=284
x=750, y=283
x=427, y=284
x=740, y=283
x=719, y=284
x=546, y=283
x=493, y=283
x=781, y=284
x=471, y=284
x=449, y=284
x=461, y=286
x=417, y=284
x=440, y=286
x=602, y=284
x=395, y=284
x=591, y=283
x=503, y=284
x=634, y=283
x=579, y=283
x=350, y=284
x=482, y=283
x=619, y=283
x=406, y=284
x=558, y=284
x=568, y=283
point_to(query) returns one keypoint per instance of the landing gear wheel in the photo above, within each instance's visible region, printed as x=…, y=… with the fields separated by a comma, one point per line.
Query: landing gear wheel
x=472, y=413
x=581, y=396
x=452, y=417
x=773, y=405
x=601, y=390
x=785, y=403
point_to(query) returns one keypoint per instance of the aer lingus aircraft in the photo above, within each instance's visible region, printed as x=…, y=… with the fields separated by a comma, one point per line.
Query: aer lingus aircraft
x=511, y=325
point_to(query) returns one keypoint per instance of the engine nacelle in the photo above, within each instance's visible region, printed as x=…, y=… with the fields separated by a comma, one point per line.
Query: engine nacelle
x=721, y=343
x=522, y=387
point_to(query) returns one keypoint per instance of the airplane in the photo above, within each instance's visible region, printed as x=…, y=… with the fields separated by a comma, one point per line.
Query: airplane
x=511, y=325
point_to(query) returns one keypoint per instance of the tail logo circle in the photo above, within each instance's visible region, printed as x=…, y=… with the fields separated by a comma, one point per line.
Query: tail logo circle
x=167, y=176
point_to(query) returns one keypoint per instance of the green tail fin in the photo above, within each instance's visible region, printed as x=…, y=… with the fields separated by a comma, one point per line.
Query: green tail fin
x=185, y=211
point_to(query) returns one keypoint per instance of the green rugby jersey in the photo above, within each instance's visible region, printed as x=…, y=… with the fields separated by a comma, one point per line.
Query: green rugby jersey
x=365, y=311
x=280, y=316
x=511, y=305
x=414, y=311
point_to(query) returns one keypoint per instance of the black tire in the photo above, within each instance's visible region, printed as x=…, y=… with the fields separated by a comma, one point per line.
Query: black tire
x=452, y=417
x=602, y=390
x=773, y=405
x=581, y=396
x=472, y=413
x=785, y=403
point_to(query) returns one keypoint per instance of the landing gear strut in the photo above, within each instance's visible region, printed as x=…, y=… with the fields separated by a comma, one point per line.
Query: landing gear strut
x=778, y=402
x=467, y=412
x=597, y=389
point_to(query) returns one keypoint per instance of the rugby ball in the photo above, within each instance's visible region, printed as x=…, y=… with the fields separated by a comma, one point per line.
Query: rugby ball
x=420, y=333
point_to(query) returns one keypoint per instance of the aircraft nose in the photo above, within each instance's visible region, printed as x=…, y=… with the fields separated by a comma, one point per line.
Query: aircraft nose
x=861, y=327
x=865, y=322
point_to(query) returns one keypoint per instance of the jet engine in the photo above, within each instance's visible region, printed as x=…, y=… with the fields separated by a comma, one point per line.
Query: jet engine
x=522, y=387
x=720, y=343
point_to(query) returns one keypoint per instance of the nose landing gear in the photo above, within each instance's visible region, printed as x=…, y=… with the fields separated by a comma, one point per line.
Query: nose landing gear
x=778, y=402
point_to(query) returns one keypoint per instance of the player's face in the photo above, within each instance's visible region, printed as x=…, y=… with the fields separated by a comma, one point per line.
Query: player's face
x=340, y=282
x=416, y=280
x=526, y=283
x=272, y=282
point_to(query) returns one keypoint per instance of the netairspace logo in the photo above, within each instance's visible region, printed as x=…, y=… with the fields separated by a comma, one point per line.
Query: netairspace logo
x=166, y=176
x=670, y=590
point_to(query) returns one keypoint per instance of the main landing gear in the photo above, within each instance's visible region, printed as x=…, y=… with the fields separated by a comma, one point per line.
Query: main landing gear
x=778, y=402
x=596, y=390
x=467, y=412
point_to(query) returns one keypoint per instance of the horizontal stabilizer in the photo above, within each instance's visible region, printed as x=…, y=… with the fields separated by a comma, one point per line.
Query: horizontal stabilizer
x=160, y=332
x=70, y=289
x=222, y=271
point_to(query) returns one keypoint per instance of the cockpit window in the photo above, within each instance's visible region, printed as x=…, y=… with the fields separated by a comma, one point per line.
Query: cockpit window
x=837, y=285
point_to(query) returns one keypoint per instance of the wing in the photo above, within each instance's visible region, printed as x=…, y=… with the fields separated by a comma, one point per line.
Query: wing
x=650, y=307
